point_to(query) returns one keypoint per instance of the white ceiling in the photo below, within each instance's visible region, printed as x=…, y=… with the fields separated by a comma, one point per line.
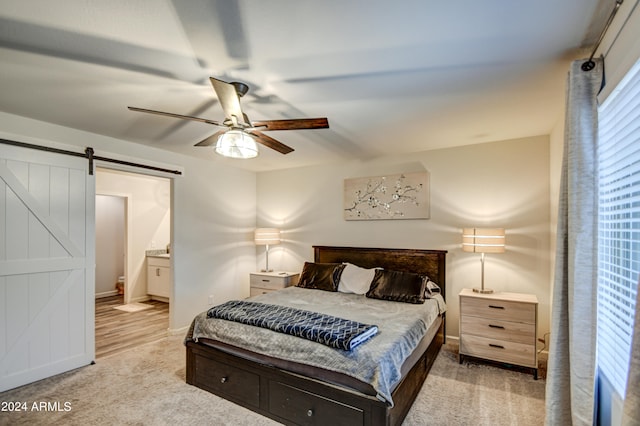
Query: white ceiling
x=391, y=76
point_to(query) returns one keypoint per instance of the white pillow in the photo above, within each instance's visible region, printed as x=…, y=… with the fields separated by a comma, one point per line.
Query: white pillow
x=355, y=279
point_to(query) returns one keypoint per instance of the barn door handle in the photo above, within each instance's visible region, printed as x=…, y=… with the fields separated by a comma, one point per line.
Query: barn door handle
x=157, y=272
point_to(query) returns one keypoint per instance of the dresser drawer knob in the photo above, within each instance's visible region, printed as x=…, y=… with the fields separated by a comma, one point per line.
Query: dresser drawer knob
x=496, y=307
x=496, y=346
x=309, y=413
x=223, y=380
x=266, y=281
x=496, y=326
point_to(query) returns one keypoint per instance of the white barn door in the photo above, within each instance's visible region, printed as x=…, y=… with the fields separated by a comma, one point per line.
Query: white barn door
x=47, y=265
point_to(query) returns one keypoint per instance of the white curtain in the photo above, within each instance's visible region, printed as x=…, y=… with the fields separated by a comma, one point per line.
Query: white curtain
x=631, y=414
x=572, y=348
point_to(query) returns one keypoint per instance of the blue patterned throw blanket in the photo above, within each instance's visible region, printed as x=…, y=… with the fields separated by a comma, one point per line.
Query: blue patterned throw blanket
x=321, y=328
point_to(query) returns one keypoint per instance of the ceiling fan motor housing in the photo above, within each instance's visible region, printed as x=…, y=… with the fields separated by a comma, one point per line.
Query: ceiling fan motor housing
x=241, y=88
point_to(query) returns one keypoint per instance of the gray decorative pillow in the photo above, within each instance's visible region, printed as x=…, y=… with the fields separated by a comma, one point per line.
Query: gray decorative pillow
x=398, y=286
x=321, y=276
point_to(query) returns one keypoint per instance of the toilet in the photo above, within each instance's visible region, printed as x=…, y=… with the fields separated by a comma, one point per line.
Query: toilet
x=120, y=285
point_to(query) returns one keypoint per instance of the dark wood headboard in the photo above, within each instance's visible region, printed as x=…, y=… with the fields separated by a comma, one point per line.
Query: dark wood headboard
x=428, y=262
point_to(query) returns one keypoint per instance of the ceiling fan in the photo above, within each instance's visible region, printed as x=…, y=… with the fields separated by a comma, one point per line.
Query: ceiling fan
x=239, y=138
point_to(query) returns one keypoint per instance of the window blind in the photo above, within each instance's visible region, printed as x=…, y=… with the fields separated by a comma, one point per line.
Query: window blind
x=618, y=226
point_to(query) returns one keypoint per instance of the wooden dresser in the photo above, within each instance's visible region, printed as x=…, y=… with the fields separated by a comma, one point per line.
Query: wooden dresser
x=499, y=327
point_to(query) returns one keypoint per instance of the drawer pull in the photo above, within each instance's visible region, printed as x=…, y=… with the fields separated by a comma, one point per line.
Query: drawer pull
x=496, y=307
x=157, y=272
x=266, y=281
x=496, y=346
x=309, y=413
x=223, y=380
x=496, y=326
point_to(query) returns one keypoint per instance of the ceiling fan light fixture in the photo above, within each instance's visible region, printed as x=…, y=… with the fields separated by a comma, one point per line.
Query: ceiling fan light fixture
x=236, y=144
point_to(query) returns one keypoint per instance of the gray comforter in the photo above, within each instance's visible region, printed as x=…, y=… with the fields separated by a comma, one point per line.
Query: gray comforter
x=377, y=362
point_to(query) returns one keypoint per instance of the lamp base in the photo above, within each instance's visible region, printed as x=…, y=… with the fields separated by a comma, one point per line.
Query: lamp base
x=483, y=290
x=266, y=270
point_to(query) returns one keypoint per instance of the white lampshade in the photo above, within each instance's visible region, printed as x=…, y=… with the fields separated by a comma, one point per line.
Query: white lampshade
x=483, y=240
x=236, y=144
x=267, y=236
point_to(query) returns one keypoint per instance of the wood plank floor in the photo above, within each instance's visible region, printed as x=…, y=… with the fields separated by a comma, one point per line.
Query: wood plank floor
x=117, y=330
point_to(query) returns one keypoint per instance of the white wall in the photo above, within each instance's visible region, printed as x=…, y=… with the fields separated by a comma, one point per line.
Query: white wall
x=149, y=215
x=109, y=243
x=214, y=205
x=213, y=214
x=501, y=184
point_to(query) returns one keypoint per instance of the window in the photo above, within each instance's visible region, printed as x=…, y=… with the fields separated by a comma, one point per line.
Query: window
x=618, y=226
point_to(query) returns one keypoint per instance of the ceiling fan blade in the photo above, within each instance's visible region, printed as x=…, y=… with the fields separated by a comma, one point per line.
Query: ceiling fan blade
x=295, y=124
x=270, y=142
x=170, y=114
x=212, y=139
x=229, y=100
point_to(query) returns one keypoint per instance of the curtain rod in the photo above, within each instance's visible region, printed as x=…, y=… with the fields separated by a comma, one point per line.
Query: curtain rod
x=589, y=64
x=88, y=154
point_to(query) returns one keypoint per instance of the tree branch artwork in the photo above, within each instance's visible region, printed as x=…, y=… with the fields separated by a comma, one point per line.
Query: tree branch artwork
x=402, y=196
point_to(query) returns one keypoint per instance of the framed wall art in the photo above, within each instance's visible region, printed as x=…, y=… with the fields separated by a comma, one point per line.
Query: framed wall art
x=397, y=196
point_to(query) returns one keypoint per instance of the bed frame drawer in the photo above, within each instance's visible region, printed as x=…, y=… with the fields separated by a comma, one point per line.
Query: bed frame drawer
x=304, y=408
x=228, y=381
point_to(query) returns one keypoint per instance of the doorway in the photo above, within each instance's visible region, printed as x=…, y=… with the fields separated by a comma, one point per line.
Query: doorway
x=111, y=240
x=136, y=209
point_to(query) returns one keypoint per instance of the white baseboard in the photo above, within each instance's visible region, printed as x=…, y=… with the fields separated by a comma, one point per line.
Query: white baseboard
x=106, y=294
x=140, y=299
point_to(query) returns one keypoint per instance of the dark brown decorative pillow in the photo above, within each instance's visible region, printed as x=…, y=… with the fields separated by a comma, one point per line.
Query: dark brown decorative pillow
x=398, y=286
x=321, y=276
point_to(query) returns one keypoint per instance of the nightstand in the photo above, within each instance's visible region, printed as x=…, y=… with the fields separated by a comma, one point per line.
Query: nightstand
x=265, y=282
x=499, y=327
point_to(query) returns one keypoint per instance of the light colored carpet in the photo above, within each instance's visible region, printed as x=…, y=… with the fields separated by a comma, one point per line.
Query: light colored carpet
x=145, y=386
x=133, y=307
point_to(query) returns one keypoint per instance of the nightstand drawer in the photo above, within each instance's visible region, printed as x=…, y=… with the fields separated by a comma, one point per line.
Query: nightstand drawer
x=498, y=350
x=498, y=309
x=497, y=329
x=263, y=281
x=271, y=281
x=254, y=291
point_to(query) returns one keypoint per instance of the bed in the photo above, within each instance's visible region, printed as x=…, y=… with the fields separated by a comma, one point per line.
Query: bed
x=296, y=394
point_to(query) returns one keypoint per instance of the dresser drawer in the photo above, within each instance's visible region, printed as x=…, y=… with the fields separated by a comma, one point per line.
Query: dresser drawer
x=518, y=332
x=304, y=408
x=498, y=309
x=498, y=350
x=228, y=381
